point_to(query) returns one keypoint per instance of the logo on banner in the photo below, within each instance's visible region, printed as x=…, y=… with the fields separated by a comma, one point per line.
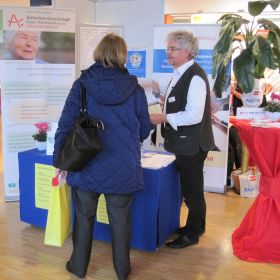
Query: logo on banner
x=135, y=60
x=15, y=20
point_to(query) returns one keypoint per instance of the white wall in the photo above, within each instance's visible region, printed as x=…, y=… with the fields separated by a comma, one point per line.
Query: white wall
x=85, y=9
x=138, y=18
x=190, y=6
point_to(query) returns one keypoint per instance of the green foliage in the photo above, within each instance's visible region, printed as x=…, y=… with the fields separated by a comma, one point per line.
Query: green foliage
x=256, y=51
x=40, y=137
x=272, y=106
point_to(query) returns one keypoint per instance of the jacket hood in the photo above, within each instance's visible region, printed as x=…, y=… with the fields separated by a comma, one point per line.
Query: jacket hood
x=108, y=86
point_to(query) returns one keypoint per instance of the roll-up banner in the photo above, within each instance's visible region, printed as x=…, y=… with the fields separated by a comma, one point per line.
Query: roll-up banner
x=216, y=163
x=37, y=69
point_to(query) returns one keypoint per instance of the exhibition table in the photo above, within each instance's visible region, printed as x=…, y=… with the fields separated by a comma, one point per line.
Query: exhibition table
x=258, y=236
x=155, y=210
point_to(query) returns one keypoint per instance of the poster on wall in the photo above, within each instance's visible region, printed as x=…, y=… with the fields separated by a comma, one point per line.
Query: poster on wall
x=89, y=36
x=136, y=62
x=37, y=69
x=216, y=163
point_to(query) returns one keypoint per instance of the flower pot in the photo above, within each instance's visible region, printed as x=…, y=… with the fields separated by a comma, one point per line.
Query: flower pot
x=253, y=98
x=272, y=116
x=41, y=145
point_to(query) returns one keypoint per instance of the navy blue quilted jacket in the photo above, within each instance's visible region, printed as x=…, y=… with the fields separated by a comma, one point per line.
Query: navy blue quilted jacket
x=116, y=98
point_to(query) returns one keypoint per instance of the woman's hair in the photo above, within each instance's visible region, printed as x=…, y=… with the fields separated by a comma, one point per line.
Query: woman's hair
x=111, y=51
x=186, y=41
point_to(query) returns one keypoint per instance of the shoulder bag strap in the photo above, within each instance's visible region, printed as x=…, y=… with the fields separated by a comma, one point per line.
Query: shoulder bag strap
x=84, y=99
x=93, y=122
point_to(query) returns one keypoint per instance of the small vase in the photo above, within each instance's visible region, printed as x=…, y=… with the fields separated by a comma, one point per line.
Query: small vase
x=272, y=116
x=41, y=145
x=253, y=98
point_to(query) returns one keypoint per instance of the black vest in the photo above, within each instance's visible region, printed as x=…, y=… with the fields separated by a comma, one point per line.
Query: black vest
x=189, y=139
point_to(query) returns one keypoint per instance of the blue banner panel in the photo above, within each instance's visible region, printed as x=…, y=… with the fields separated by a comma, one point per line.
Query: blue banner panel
x=161, y=64
x=136, y=63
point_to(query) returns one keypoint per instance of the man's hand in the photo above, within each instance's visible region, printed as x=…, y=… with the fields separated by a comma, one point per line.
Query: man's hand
x=158, y=118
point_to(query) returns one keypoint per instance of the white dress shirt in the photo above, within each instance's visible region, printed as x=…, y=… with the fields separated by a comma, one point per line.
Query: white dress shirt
x=194, y=109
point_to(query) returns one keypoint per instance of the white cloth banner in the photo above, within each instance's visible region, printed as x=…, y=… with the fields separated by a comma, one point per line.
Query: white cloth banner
x=37, y=69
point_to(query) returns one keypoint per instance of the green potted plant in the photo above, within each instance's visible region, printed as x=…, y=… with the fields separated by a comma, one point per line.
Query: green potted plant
x=256, y=43
x=272, y=109
x=41, y=136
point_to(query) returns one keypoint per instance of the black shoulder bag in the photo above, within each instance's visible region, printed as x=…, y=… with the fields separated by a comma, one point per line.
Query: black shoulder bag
x=82, y=143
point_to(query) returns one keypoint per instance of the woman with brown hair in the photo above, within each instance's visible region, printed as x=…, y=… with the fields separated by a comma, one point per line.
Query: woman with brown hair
x=114, y=97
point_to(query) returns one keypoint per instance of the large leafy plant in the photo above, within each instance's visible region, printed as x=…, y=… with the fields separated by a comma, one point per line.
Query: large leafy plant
x=256, y=42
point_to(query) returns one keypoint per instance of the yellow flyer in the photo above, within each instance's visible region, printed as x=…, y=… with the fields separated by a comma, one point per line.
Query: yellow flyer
x=43, y=183
x=155, y=109
x=101, y=215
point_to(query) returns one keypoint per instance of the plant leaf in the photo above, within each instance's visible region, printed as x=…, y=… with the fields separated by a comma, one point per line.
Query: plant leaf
x=217, y=59
x=268, y=24
x=274, y=4
x=256, y=7
x=220, y=81
x=274, y=31
x=262, y=52
x=224, y=43
x=228, y=16
x=276, y=55
x=219, y=71
x=226, y=36
x=230, y=25
x=243, y=68
x=259, y=71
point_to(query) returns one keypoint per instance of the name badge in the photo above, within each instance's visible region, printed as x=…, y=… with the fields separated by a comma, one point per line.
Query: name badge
x=171, y=99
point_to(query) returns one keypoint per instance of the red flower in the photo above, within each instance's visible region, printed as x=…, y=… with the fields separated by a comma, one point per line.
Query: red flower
x=42, y=127
x=275, y=96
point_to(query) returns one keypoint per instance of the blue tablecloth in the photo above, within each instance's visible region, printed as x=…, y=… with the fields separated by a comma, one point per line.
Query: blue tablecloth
x=155, y=211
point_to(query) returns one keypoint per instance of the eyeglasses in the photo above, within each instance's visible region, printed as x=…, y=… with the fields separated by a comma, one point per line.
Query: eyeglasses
x=173, y=49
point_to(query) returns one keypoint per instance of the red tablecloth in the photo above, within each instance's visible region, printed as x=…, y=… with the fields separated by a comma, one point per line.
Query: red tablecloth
x=257, y=238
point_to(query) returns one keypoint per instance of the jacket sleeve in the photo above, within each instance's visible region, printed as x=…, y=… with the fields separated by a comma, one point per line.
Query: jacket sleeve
x=67, y=119
x=143, y=114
